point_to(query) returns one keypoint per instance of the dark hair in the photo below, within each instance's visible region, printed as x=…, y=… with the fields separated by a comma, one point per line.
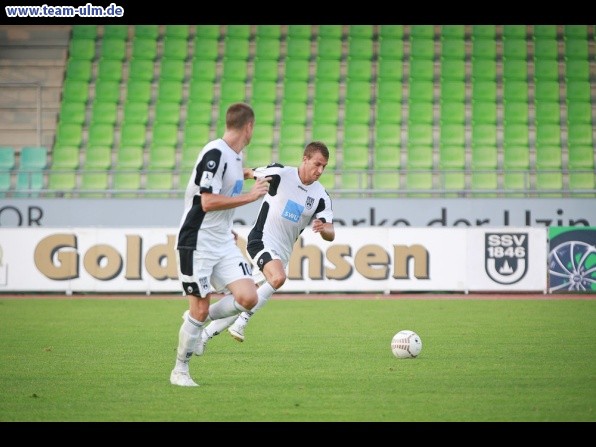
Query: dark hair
x=316, y=146
x=238, y=115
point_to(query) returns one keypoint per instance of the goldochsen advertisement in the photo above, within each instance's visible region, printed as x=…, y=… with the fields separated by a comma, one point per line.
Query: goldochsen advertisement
x=143, y=260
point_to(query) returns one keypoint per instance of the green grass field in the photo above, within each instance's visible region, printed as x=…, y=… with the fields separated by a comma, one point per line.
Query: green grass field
x=90, y=359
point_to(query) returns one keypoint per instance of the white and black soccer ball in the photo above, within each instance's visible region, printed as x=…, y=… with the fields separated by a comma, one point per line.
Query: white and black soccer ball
x=406, y=344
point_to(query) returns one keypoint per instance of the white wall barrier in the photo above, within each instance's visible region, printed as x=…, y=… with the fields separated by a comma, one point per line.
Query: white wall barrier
x=370, y=259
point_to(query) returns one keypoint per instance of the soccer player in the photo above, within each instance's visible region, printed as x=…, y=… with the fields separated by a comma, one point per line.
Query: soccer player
x=209, y=259
x=295, y=199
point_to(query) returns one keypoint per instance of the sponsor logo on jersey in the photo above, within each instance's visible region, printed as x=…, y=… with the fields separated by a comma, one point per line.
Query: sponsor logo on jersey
x=237, y=187
x=292, y=211
x=309, y=202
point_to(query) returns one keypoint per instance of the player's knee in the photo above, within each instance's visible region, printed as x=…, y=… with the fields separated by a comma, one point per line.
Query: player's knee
x=247, y=300
x=277, y=280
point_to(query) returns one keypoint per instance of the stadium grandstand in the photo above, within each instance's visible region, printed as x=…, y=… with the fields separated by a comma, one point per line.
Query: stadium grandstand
x=407, y=110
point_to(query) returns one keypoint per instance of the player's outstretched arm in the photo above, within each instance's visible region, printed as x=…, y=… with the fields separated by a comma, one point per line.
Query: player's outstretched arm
x=215, y=202
x=326, y=229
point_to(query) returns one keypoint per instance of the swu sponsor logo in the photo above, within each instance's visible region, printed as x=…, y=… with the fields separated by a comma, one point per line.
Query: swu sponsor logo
x=292, y=211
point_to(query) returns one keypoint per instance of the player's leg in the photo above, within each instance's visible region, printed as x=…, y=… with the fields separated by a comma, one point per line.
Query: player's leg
x=211, y=330
x=275, y=276
x=194, y=270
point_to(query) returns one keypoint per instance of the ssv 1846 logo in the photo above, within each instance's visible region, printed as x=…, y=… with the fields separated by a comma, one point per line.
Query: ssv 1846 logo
x=506, y=256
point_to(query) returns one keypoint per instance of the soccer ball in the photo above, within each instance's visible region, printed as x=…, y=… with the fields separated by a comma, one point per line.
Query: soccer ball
x=406, y=344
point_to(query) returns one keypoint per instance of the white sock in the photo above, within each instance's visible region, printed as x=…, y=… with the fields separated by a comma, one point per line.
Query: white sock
x=189, y=334
x=218, y=326
x=264, y=292
x=225, y=307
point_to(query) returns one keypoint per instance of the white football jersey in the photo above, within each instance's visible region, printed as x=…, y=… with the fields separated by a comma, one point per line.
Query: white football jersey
x=288, y=208
x=218, y=170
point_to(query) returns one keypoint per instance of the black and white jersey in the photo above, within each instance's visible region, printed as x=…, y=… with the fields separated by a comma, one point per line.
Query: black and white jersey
x=218, y=170
x=287, y=209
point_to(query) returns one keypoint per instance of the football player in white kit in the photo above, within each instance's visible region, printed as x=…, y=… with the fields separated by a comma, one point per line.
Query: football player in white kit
x=295, y=199
x=208, y=258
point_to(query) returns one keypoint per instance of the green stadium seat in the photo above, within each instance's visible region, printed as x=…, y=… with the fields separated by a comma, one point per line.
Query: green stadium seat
x=386, y=156
x=549, y=184
x=580, y=156
x=234, y=70
x=293, y=112
x=515, y=112
x=146, y=31
x=265, y=91
x=484, y=90
x=288, y=153
x=421, y=69
x=72, y=112
x=232, y=91
x=33, y=158
x=452, y=112
x=297, y=69
x=136, y=112
x=177, y=31
x=453, y=183
x=488, y=32
x=361, y=31
x=328, y=69
x=420, y=135
x=355, y=156
x=547, y=112
x=515, y=70
x=515, y=31
x=484, y=151
x=359, y=69
x=262, y=135
x=126, y=183
x=548, y=135
x=484, y=69
x=484, y=184
x=100, y=135
x=107, y=91
x=358, y=134
x=453, y=70
x=69, y=134
x=421, y=90
x=201, y=91
x=453, y=32
x=386, y=184
x=546, y=48
x=545, y=31
x=167, y=112
x=269, y=31
x=295, y=91
x=357, y=112
x=195, y=136
x=258, y=156
x=298, y=48
x=132, y=134
x=206, y=48
x=29, y=184
x=419, y=157
x=160, y=183
x=75, y=91
x=299, y=31
x=516, y=151
x=203, y=70
x=144, y=48
x=389, y=112
x=515, y=48
x=81, y=48
x=93, y=184
x=62, y=183
x=582, y=180
x=329, y=48
x=360, y=48
x=394, y=31
x=264, y=112
x=292, y=134
x=172, y=69
x=84, y=31
x=419, y=181
x=63, y=158
x=452, y=135
x=579, y=135
x=453, y=48
x=515, y=90
x=78, y=69
x=577, y=70
x=549, y=157
x=98, y=158
x=391, y=48
x=391, y=69
x=575, y=31
x=325, y=112
x=113, y=49
x=266, y=69
x=129, y=157
x=579, y=112
x=198, y=112
x=452, y=157
x=118, y=32
x=325, y=132
x=484, y=49
x=389, y=90
x=422, y=31
x=452, y=91
x=330, y=31
x=353, y=180
x=420, y=113
x=141, y=70
x=170, y=91
x=164, y=134
x=579, y=91
x=238, y=31
x=422, y=47
x=516, y=183
x=104, y=112
x=162, y=157
x=546, y=70
x=484, y=112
